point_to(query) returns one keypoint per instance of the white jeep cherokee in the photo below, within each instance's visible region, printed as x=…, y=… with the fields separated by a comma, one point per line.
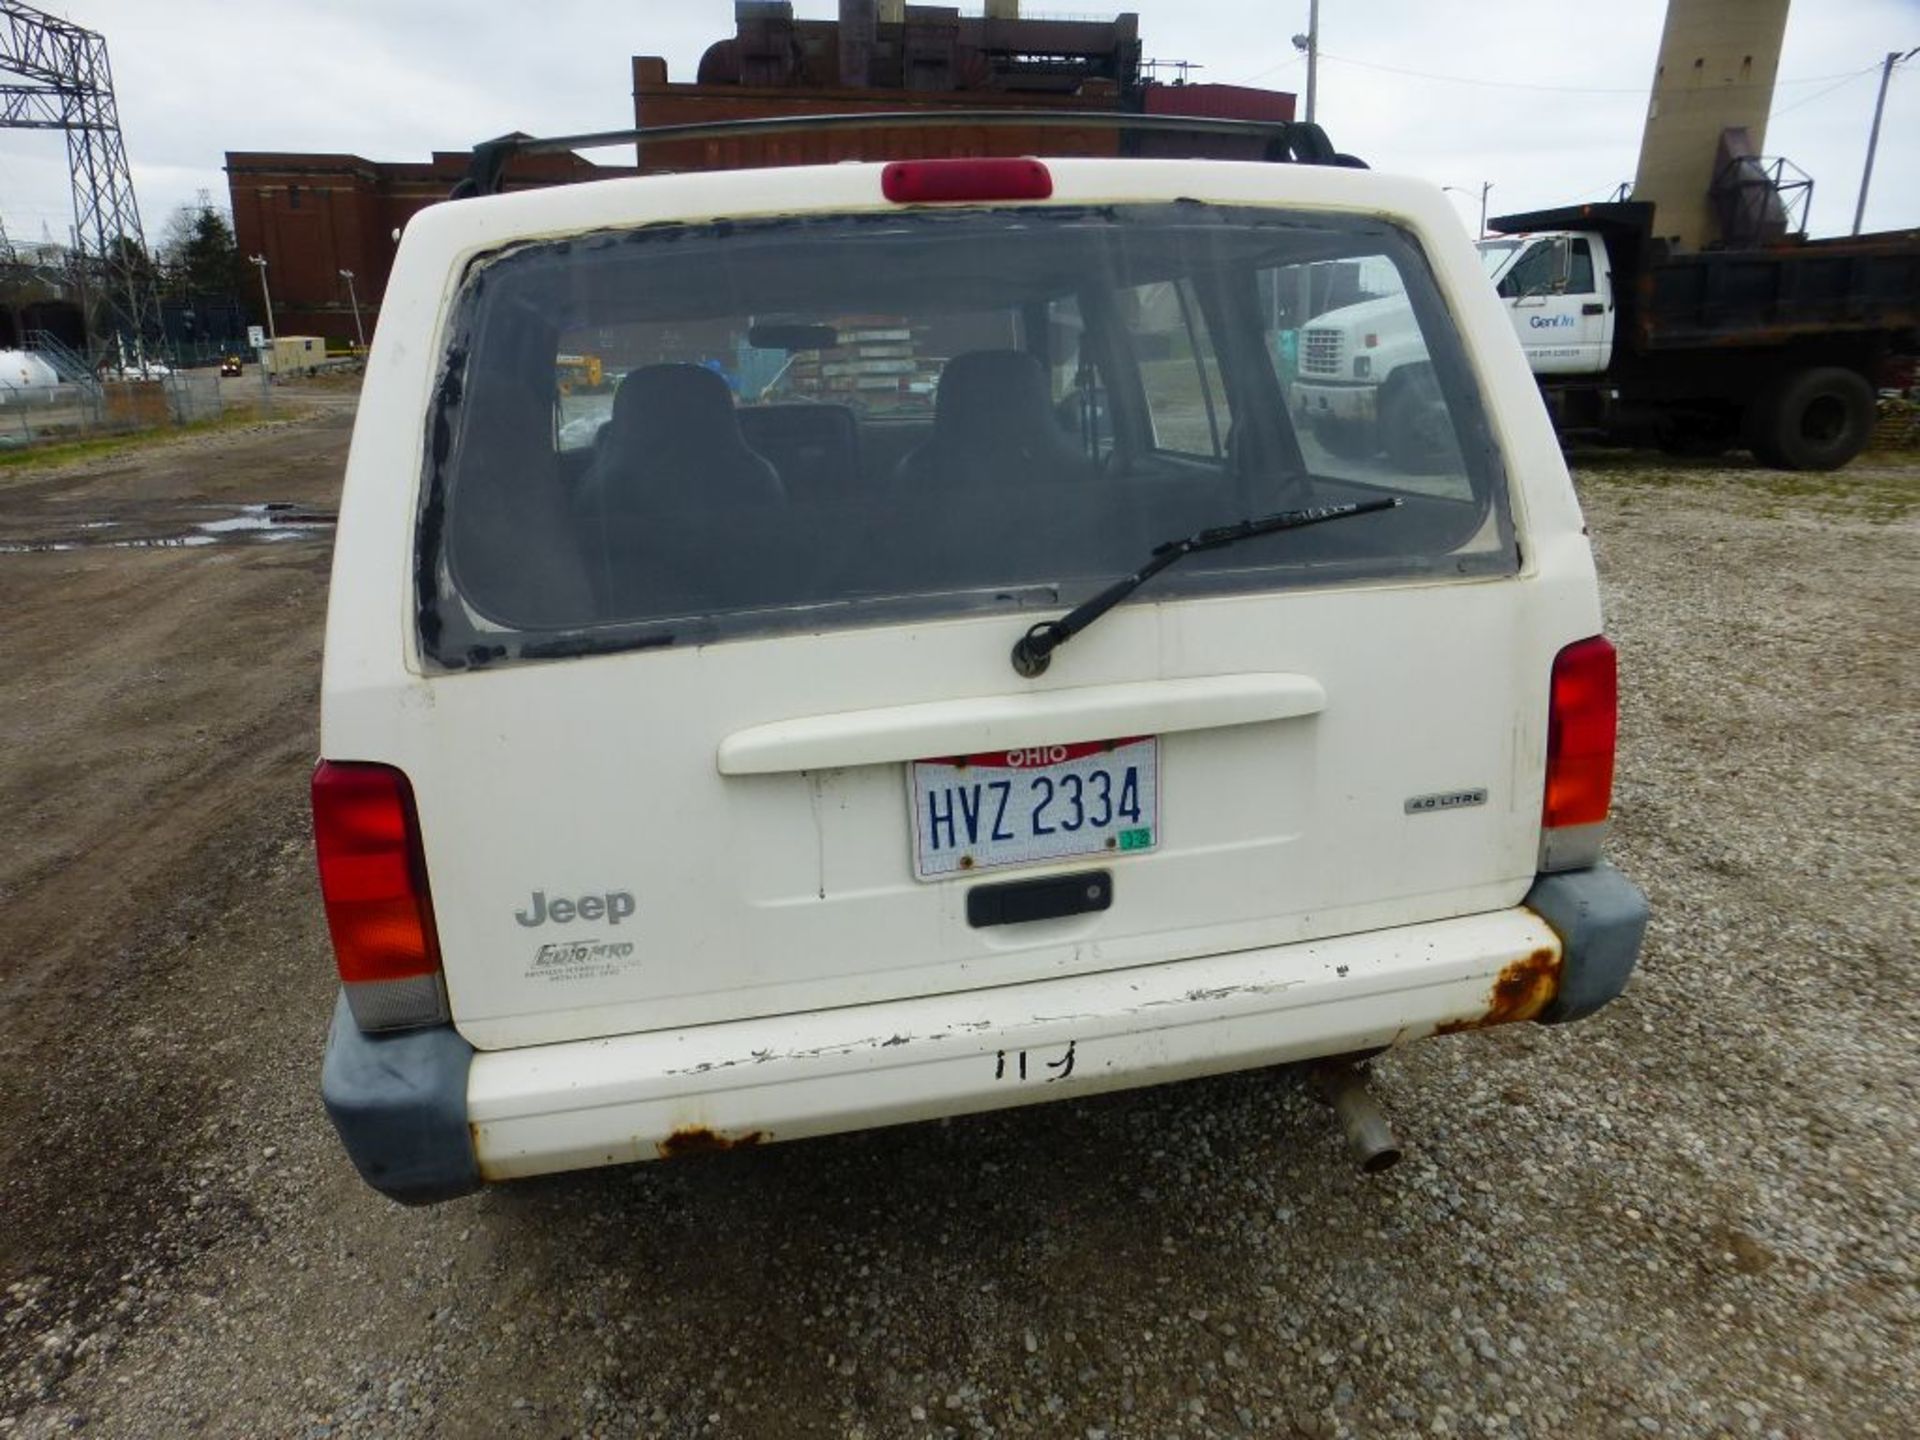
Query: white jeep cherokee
x=904, y=660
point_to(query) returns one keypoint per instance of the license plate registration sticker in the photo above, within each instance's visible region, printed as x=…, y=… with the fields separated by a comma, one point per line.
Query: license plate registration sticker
x=1046, y=802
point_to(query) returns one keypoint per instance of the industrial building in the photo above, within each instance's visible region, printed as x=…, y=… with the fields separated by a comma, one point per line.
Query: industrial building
x=315, y=215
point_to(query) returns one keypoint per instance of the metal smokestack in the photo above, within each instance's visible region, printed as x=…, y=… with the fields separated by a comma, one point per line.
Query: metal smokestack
x=1718, y=59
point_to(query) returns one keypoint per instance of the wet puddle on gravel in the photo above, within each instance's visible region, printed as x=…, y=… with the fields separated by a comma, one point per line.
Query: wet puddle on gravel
x=245, y=524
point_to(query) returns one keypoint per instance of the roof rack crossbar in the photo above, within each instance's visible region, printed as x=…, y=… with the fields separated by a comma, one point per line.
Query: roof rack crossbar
x=1295, y=141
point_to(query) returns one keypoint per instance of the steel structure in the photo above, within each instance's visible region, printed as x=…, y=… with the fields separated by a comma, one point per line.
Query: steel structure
x=54, y=75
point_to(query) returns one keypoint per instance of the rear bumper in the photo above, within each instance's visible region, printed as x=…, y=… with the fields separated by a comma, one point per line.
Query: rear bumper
x=399, y=1102
x=1564, y=953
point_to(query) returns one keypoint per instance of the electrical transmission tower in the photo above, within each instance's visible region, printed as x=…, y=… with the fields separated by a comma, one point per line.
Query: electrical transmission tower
x=54, y=76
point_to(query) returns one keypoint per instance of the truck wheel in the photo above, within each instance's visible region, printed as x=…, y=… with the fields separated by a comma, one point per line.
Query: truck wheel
x=1816, y=419
x=1415, y=427
x=1347, y=439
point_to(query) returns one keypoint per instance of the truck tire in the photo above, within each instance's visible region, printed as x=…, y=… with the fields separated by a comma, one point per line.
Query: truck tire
x=1816, y=419
x=1346, y=439
x=1414, y=424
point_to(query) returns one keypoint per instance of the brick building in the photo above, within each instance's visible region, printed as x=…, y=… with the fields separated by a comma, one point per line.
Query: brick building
x=315, y=215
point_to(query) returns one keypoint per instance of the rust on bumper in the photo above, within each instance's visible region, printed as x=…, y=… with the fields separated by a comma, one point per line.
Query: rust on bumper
x=1520, y=992
x=699, y=1140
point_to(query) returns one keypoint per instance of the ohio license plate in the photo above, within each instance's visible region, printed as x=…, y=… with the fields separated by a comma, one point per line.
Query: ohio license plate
x=1047, y=802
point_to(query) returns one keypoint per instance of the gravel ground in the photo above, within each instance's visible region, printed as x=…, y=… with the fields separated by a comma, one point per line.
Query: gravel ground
x=1692, y=1215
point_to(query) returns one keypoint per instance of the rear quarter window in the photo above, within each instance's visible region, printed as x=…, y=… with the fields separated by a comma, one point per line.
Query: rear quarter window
x=686, y=434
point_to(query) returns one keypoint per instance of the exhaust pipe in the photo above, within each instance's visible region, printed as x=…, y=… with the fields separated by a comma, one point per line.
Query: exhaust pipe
x=1369, y=1137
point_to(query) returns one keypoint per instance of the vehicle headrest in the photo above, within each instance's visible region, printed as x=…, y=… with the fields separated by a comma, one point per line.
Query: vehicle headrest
x=993, y=388
x=668, y=399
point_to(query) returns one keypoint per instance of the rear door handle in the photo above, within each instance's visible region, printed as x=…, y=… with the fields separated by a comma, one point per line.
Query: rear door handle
x=1593, y=307
x=1018, y=902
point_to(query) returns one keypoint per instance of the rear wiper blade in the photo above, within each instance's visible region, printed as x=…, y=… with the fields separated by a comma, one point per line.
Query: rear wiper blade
x=1033, y=652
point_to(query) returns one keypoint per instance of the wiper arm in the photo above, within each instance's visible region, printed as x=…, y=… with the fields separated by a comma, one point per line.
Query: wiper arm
x=1033, y=652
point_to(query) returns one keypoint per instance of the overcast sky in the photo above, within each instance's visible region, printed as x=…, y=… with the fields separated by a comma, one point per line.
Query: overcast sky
x=1545, y=98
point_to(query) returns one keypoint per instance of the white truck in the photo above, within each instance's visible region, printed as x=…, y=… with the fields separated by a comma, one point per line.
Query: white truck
x=767, y=767
x=1777, y=348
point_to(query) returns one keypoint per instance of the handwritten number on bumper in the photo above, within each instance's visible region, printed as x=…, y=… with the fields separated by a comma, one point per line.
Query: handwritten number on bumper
x=1018, y=1069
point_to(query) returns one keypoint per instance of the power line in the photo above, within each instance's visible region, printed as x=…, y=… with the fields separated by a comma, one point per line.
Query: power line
x=1821, y=94
x=1574, y=89
x=1271, y=69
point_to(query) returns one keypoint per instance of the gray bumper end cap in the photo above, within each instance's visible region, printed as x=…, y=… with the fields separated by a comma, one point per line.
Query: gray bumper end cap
x=399, y=1102
x=1601, y=919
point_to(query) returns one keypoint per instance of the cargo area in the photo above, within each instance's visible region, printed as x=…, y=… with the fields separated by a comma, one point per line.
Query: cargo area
x=784, y=772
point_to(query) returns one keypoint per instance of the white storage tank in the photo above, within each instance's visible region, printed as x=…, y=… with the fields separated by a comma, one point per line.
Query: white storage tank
x=24, y=370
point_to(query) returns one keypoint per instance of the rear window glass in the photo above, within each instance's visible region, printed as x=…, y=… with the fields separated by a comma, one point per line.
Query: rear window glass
x=684, y=434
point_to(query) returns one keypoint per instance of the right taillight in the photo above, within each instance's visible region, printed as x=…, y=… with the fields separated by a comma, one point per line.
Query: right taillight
x=1582, y=726
x=373, y=877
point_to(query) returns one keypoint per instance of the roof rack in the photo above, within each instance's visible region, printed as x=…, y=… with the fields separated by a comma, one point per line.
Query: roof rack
x=1296, y=142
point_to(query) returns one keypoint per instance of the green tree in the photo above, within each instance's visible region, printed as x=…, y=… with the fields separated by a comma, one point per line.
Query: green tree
x=128, y=254
x=198, y=254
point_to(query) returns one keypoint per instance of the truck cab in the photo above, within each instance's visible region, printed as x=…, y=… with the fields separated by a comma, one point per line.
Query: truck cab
x=1363, y=379
x=1558, y=291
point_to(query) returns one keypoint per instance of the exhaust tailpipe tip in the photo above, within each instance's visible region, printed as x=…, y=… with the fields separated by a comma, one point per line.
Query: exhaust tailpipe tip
x=1370, y=1139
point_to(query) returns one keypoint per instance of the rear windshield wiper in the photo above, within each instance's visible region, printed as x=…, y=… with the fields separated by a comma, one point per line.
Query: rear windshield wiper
x=1033, y=652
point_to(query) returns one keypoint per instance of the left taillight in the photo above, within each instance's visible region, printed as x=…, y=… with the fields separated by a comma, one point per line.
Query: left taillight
x=373, y=877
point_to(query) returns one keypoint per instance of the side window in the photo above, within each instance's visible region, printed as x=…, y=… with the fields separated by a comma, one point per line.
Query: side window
x=1532, y=273
x=1186, y=401
x=1365, y=402
x=583, y=393
x=1580, y=277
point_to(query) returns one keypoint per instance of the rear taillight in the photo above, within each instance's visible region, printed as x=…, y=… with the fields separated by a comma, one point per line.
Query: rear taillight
x=924, y=182
x=373, y=876
x=1582, y=724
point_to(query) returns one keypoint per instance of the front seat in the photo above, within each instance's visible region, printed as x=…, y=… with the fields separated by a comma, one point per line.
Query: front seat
x=674, y=443
x=993, y=425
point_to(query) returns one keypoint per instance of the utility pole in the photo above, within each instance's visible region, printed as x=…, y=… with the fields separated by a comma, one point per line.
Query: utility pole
x=359, y=335
x=54, y=75
x=1894, y=57
x=267, y=295
x=1310, y=43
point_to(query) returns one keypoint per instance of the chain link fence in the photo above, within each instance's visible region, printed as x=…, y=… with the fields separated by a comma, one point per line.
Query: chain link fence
x=31, y=415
